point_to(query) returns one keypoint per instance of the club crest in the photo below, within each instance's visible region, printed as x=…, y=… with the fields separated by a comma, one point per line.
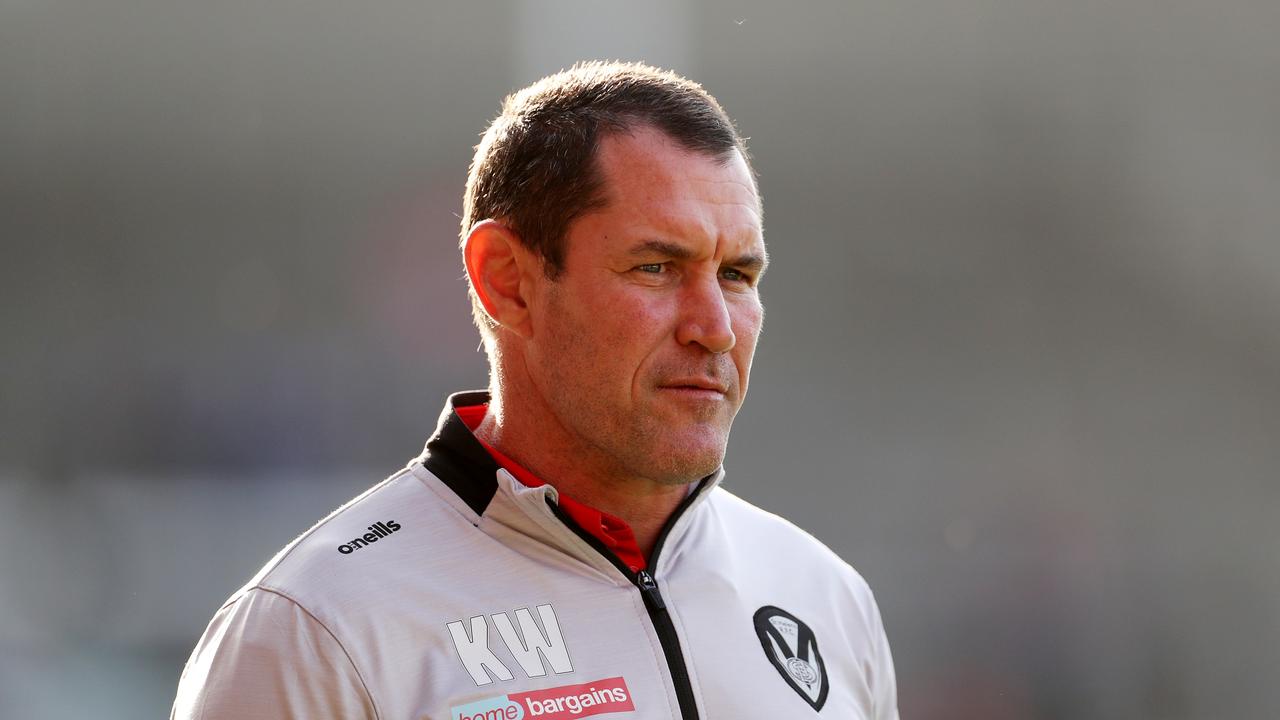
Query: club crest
x=792, y=648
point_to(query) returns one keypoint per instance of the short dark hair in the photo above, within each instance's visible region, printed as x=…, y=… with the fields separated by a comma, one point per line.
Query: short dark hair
x=534, y=169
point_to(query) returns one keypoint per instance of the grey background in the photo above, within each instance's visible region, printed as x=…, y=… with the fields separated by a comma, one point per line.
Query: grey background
x=1020, y=364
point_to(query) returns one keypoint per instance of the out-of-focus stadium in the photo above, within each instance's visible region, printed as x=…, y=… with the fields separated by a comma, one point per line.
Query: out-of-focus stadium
x=1021, y=363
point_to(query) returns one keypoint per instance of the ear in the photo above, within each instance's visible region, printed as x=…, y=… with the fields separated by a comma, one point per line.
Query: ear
x=500, y=268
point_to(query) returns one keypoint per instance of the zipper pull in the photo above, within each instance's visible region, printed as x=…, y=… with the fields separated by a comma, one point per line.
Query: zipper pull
x=649, y=588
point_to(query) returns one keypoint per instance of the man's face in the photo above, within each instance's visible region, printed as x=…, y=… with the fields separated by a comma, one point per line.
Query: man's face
x=642, y=346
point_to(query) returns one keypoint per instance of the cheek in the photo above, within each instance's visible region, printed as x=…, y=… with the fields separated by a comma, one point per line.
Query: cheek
x=614, y=340
x=746, y=330
x=635, y=320
x=747, y=323
x=619, y=335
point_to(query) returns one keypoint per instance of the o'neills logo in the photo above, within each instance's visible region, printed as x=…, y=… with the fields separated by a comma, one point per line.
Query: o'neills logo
x=377, y=531
x=559, y=703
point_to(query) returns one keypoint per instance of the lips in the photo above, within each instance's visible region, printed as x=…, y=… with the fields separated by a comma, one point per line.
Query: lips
x=695, y=384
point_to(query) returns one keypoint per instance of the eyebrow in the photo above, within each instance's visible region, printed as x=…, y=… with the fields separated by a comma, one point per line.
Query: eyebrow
x=751, y=261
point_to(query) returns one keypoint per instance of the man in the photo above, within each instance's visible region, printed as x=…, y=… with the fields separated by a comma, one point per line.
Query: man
x=562, y=548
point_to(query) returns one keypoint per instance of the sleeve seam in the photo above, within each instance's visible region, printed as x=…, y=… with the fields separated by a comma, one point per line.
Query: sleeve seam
x=360, y=676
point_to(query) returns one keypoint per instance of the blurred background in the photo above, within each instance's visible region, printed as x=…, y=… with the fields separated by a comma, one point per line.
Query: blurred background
x=1021, y=364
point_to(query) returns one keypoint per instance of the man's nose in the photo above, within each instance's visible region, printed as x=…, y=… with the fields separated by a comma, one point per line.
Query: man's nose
x=705, y=318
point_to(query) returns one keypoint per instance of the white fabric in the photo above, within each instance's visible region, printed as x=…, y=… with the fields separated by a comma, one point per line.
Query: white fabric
x=365, y=634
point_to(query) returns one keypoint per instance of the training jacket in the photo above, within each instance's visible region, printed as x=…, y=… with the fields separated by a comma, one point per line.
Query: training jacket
x=451, y=590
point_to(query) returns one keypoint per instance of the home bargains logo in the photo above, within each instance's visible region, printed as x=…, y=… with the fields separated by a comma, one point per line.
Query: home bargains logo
x=559, y=703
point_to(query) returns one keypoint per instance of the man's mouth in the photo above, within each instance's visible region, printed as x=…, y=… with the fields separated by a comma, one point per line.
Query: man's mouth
x=696, y=386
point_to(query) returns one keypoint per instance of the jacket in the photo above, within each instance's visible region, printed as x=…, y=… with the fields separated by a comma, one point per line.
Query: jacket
x=451, y=590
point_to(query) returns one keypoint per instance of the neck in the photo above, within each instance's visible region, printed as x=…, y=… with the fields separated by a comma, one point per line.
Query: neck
x=526, y=431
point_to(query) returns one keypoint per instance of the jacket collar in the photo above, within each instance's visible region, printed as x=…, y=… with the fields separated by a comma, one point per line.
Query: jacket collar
x=465, y=467
x=454, y=455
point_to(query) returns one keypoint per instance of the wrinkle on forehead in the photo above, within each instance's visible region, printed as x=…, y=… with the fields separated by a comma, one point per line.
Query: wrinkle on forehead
x=636, y=159
x=675, y=191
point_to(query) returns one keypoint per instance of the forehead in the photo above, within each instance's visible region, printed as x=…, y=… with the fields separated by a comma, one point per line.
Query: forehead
x=651, y=180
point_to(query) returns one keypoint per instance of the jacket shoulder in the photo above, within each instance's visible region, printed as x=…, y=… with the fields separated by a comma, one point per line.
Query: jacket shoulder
x=773, y=538
x=264, y=656
x=399, y=520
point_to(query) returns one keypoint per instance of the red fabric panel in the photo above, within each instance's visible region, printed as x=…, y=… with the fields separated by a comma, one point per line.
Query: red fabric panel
x=611, y=530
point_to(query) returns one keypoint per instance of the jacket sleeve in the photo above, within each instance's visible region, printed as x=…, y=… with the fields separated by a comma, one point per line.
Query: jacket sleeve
x=264, y=656
x=882, y=680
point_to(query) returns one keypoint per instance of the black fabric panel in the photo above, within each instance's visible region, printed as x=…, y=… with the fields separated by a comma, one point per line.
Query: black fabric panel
x=455, y=456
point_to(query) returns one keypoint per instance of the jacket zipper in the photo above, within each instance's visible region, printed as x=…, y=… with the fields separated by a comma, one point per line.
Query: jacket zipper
x=653, y=602
x=666, y=630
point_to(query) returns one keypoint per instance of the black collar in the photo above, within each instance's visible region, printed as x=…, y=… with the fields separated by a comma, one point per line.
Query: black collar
x=454, y=455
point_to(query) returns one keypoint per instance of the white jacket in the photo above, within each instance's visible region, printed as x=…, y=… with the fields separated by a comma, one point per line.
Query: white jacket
x=451, y=590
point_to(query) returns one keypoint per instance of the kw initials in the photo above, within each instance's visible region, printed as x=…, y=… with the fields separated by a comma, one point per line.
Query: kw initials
x=531, y=646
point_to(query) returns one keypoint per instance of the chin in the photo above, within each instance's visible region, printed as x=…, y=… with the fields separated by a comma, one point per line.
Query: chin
x=684, y=462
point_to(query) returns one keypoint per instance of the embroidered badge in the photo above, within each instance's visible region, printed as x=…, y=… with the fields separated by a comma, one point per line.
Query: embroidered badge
x=792, y=648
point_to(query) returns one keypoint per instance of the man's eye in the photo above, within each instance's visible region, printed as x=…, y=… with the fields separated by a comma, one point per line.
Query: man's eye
x=734, y=275
x=652, y=268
